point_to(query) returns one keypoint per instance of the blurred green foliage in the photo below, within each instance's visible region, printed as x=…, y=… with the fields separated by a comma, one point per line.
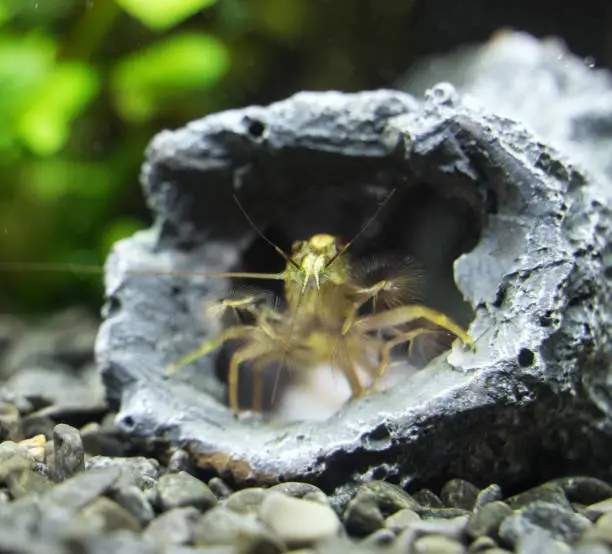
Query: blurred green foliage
x=85, y=84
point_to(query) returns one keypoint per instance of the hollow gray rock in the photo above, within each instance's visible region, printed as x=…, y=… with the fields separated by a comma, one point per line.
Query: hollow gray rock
x=515, y=240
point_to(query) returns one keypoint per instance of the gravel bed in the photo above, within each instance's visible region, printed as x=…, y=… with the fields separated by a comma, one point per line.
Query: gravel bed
x=83, y=487
x=57, y=498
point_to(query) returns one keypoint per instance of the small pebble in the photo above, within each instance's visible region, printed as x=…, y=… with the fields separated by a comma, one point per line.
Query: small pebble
x=442, y=513
x=301, y=490
x=173, y=527
x=428, y=499
x=104, y=515
x=151, y=495
x=481, y=544
x=401, y=520
x=76, y=492
x=246, y=500
x=25, y=482
x=605, y=521
x=180, y=461
x=37, y=424
x=146, y=482
x=139, y=471
x=220, y=489
x=35, y=448
x=133, y=500
x=437, y=544
x=220, y=526
x=552, y=493
x=117, y=542
x=13, y=458
x=486, y=520
x=585, y=490
x=489, y=494
x=538, y=541
x=591, y=548
x=362, y=515
x=450, y=528
x=598, y=509
x=382, y=537
x=178, y=490
x=69, y=456
x=601, y=532
x=298, y=522
x=10, y=422
x=560, y=523
x=459, y=493
x=373, y=502
x=389, y=498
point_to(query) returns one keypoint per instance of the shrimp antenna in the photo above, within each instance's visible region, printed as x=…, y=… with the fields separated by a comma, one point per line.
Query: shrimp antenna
x=362, y=230
x=46, y=267
x=50, y=267
x=261, y=234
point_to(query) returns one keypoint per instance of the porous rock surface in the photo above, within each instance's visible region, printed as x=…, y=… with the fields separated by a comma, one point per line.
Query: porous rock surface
x=527, y=231
x=565, y=100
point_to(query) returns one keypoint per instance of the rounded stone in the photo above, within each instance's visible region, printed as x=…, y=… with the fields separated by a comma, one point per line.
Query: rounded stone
x=246, y=500
x=83, y=488
x=178, y=490
x=373, y=502
x=489, y=494
x=26, y=482
x=104, y=515
x=382, y=537
x=442, y=513
x=459, y=493
x=437, y=544
x=605, y=521
x=139, y=471
x=538, y=541
x=133, y=500
x=559, y=522
x=601, y=532
x=481, y=545
x=401, y=520
x=551, y=493
x=584, y=489
x=69, y=455
x=593, y=548
x=10, y=422
x=179, y=461
x=220, y=526
x=220, y=488
x=486, y=520
x=173, y=527
x=13, y=458
x=35, y=448
x=428, y=499
x=301, y=490
x=594, y=511
x=389, y=498
x=450, y=528
x=362, y=515
x=299, y=522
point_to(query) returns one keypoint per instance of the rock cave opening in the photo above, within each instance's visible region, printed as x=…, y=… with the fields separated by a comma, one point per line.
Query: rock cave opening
x=428, y=224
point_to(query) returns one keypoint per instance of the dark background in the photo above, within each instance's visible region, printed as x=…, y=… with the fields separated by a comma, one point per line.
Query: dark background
x=85, y=84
